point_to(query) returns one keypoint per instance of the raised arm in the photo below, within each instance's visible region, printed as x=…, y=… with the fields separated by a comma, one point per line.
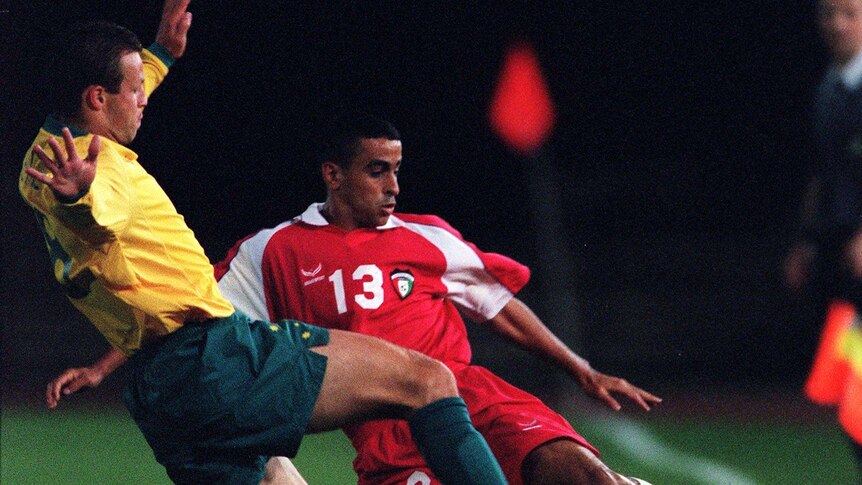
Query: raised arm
x=519, y=324
x=174, y=27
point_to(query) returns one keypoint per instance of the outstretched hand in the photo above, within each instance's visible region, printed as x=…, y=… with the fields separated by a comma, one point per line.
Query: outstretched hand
x=602, y=387
x=70, y=174
x=174, y=27
x=71, y=381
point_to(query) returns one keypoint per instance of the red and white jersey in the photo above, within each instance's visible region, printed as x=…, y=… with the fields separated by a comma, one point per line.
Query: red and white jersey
x=401, y=281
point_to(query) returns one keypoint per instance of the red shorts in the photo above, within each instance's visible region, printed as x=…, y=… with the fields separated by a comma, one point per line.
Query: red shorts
x=513, y=422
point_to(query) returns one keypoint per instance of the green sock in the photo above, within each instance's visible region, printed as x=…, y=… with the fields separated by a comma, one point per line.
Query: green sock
x=451, y=446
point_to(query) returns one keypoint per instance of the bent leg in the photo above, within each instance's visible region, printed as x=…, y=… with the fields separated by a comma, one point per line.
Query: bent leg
x=566, y=462
x=369, y=378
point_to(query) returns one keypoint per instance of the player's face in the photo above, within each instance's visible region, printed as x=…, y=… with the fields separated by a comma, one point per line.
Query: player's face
x=841, y=27
x=125, y=108
x=369, y=186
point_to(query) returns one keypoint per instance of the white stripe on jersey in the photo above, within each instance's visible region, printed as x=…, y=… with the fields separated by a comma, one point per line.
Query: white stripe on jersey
x=242, y=284
x=473, y=289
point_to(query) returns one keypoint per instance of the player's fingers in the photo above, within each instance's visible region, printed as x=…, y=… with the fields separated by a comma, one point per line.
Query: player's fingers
x=59, y=158
x=54, y=389
x=631, y=392
x=185, y=24
x=650, y=397
x=168, y=9
x=174, y=9
x=70, y=143
x=51, y=396
x=643, y=398
x=73, y=386
x=93, y=150
x=41, y=177
x=634, y=391
x=641, y=402
x=606, y=396
x=46, y=160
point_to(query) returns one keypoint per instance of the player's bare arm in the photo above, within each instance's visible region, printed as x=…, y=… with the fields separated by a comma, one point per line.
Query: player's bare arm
x=70, y=174
x=174, y=26
x=519, y=324
x=72, y=380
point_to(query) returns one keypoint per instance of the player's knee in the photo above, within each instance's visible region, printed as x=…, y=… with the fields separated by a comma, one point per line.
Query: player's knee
x=280, y=471
x=564, y=461
x=432, y=381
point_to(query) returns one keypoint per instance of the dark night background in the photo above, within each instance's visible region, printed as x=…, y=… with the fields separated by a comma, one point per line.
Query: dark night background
x=680, y=146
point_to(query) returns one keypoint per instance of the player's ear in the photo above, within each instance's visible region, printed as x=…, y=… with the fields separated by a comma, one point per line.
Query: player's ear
x=332, y=175
x=94, y=97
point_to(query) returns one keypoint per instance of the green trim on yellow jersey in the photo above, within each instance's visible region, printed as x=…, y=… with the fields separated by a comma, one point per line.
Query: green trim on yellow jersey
x=55, y=127
x=162, y=53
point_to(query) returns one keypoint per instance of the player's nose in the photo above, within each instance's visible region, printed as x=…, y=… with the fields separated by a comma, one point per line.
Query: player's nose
x=392, y=187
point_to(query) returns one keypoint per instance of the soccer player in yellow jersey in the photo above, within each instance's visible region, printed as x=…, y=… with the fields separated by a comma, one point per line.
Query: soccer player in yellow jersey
x=214, y=392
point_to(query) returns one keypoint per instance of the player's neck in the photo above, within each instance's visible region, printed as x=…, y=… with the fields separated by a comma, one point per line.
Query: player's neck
x=336, y=217
x=93, y=122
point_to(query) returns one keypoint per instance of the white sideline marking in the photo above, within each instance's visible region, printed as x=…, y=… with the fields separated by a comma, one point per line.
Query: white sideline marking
x=640, y=443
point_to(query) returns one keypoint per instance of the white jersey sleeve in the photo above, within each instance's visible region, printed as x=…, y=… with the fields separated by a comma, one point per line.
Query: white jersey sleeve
x=476, y=287
x=240, y=276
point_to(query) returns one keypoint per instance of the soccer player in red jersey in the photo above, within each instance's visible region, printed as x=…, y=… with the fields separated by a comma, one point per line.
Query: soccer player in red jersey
x=352, y=263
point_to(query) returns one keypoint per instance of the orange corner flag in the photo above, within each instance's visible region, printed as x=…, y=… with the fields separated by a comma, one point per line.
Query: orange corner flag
x=828, y=376
x=836, y=374
x=521, y=111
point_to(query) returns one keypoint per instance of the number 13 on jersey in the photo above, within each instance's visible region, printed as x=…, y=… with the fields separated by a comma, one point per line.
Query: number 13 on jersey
x=372, y=287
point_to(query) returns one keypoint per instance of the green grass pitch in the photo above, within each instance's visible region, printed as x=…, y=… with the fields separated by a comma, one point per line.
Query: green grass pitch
x=88, y=446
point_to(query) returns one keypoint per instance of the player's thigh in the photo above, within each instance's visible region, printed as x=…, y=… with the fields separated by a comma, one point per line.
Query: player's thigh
x=367, y=377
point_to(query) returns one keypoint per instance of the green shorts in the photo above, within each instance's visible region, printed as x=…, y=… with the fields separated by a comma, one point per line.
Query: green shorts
x=215, y=399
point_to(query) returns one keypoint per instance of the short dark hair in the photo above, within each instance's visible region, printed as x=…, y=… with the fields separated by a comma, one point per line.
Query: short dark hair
x=88, y=53
x=340, y=142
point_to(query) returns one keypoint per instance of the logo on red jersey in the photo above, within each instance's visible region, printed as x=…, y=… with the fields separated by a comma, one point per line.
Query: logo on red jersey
x=312, y=272
x=528, y=423
x=402, y=281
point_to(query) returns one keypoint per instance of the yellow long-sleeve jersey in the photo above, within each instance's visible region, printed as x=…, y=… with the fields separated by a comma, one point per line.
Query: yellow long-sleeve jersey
x=125, y=257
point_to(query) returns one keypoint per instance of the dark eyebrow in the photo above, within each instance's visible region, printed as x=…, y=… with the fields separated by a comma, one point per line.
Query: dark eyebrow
x=378, y=162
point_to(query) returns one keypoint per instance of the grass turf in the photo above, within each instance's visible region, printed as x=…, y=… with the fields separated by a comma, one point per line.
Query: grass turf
x=85, y=446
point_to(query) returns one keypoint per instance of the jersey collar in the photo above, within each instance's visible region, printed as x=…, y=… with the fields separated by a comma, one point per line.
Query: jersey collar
x=313, y=216
x=55, y=127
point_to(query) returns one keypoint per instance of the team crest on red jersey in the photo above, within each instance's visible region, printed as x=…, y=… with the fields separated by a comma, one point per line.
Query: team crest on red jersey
x=402, y=281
